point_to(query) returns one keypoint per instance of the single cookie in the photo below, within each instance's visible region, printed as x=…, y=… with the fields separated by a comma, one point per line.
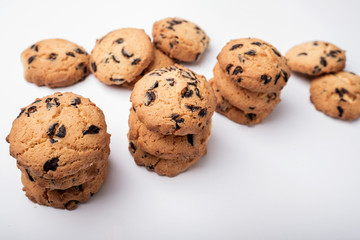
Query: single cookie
x=242, y=98
x=121, y=55
x=168, y=146
x=55, y=63
x=180, y=39
x=173, y=100
x=59, y=135
x=163, y=167
x=316, y=58
x=160, y=60
x=234, y=114
x=67, y=198
x=337, y=95
x=254, y=64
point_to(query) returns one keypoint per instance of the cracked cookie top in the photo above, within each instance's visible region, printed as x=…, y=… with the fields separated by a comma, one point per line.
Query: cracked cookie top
x=316, y=58
x=180, y=39
x=121, y=55
x=55, y=63
x=59, y=135
x=173, y=100
x=254, y=64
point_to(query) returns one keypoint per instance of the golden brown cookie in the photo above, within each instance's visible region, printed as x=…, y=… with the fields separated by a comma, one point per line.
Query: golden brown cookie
x=254, y=64
x=55, y=63
x=315, y=58
x=180, y=39
x=337, y=95
x=121, y=55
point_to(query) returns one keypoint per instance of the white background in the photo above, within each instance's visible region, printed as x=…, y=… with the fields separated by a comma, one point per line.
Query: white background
x=296, y=176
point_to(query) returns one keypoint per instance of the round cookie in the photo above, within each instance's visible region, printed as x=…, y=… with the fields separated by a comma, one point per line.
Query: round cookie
x=168, y=146
x=55, y=63
x=234, y=114
x=160, y=60
x=254, y=64
x=67, y=198
x=121, y=55
x=337, y=95
x=242, y=98
x=173, y=100
x=316, y=58
x=180, y=39
x=59, y=135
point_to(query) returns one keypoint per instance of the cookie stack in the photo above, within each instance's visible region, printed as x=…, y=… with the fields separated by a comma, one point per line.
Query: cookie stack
x=170, y=119
x=61, y=147
x=247, y=80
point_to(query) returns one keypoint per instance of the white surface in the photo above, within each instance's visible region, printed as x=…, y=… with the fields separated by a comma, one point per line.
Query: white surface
x=296, y=176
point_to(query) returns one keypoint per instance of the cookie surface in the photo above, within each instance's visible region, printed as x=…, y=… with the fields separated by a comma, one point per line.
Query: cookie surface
x=254, y=64
x=67, y=198
x=173, y=100
x=121, y=55
x=234, y=114
x=180, y=39
x=242, y=98
x=55, y=63
x=167, y=146
x=337, y=95
x=316, y=58
x=59, y=135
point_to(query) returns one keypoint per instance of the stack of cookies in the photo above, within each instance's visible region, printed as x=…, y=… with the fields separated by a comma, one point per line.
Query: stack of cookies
x=170, y=119
x=61, y=146
x=247, y=80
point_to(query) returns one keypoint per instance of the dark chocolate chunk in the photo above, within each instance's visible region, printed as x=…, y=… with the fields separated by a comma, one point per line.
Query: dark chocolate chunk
x=79, y=188
x=80, y=65
x=197, y=92
x=192, y=108
x=286, y=76
x=29, y=176
x=252, y=108
x=115, y=60
x=126, y=54
x=256, y=43
x=323, y=61
x=197, y=56
x=155, y=85
x=51, y=164
x=277, y=78
x=30, y=110
x=186, y=74
x=84, y=71
x=270, y=97
x=31, y=59
x=239, y=80
x=135, y=61
x=52, y=56
x=276, y=52
x=154, y=74
x=132, y=147
x=190, y=139
x=149, y=97
x=186, y=93
x=117, y=79
x=70, y=204
x=174, y=116
x=251, y=52
x=315, y=43
x=239, y=45
x=71, y=54
x=333, y=53
x=52, y=141
x=340, y=60
x=171, y=45
x=341, y=91
x=302, y=54
x=51, y=130
x=61, y=132
x=91, y=130
x=202, y=112
x=265, y=78
x=228, y=68
x=79, y=51
x=341, y=111
x=35, y=48
x=119, y=41
x=316, y=69
x=93, y=66
x=237, y=70
x=75, y=101
x=251, y=116
x=171, y=81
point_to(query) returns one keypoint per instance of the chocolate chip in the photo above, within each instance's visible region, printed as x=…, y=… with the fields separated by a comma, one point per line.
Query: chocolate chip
x=79, y=188
x=276, y=52
x=237, y=70
x=302, y=54
x=323, y=61
x=315, y=43
x=286, y=76
x=341, y=111
x=115, y=60
x=197, y=56
x=270, y=97
x=333, y=53
x=171, y=81
x=174, y=116
x=51, y=130
x=197, y=92
x=192, y=108
x=341, y=91
x=239, y=45
x=31, y=59
x=149, y=97
x=71, y=54
x=155, y=85
x=75, y=101
x=251, y=116
x=93, y=66
x=202, y=112
x=52, y=56
x=228, y=68
x=35, y=48
x=71, y=204
x=135, y=61
x=265, y=78
x=185, y=74
x=126, y=54
x=239, y=80
x=21, y=112
x=186, y=93
x=79, y=51
x=29, y=176
x=84, y=71
x=118, y=80
x=119, y=41
x=52, y=141
x=91, y=130
x=190, y=139
x=171, y=45
x=252, y=108
x=340, y=60
x=132, y=147
x=251, y=53
x=51, y=164
x=316, y=69
x=61, y=132
x=162, y=35
x=154, y=74
x=80, y=65
x=277, y=78
x=256, y=43
x=30, y=110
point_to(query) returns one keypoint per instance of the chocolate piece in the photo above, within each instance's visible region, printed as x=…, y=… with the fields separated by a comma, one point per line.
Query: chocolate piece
x=61, y=132
x=31, y=59
x=29, y=176
x=237, y=70
x=251, y=53
x=149, y=98
x=75, y=101
x=265, y=78
x=341, y=111
x=119, y=41
x=135, y=61
x=323, y=61
x=91, y=130
x=51, y=130
x=202, y=112
x=52, y=56
x=93, y=66
x=115, y=60
x=132, y=147
x=239, y=45
x=51, y=164
x=126, y=54
x=155, y=85
x=79, y=51
x=71, y=54
x=302, y=54
x=190, y=139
